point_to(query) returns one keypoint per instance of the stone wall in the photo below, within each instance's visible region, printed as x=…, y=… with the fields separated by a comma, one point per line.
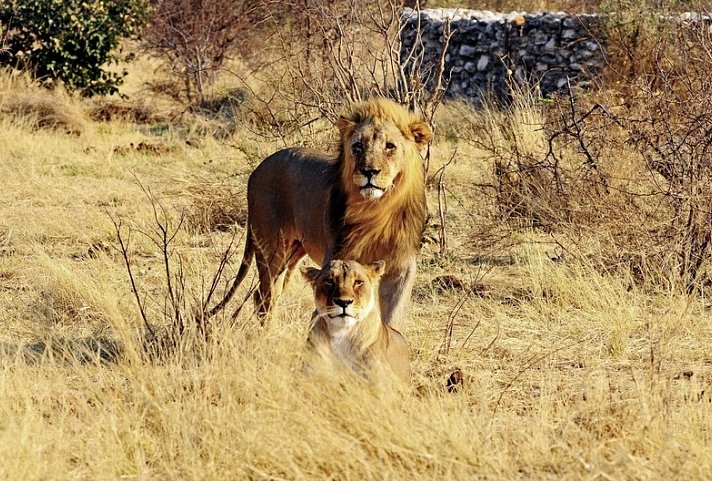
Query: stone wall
x=488, y=50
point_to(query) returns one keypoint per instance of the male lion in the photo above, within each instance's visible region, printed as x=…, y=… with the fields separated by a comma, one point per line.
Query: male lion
x=347, y=324
x=365, y=204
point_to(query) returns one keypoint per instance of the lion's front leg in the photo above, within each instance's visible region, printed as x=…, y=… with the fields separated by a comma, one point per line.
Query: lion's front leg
x=394, y=294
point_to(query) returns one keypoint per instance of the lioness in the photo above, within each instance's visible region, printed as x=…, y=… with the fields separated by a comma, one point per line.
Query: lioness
x=347, y=323
x=367, y=203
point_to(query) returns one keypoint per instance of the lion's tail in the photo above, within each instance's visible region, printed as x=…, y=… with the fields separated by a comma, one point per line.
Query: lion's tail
x=241, y=273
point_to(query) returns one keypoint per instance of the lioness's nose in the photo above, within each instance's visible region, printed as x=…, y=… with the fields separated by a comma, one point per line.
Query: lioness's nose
x=370, y=172
x=344, y=303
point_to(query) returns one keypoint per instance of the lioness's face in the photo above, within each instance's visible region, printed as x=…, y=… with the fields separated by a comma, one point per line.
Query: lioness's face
x=376, y=153
x=344, y=291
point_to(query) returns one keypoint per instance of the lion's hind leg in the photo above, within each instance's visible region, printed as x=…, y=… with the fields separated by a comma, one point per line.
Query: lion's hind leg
x=297, y=253
x=274, y=271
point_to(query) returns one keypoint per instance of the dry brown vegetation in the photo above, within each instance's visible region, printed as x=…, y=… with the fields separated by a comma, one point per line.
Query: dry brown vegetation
x=563, y=295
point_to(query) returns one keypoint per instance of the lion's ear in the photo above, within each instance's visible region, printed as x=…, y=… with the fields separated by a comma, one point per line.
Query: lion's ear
x=346, y=127
x=378, y=268
x=422, y=133
x=310, y=274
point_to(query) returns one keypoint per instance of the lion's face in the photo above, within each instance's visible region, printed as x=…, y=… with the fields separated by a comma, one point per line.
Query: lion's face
x=378, y=149
x=376, y=153
x=345, y=292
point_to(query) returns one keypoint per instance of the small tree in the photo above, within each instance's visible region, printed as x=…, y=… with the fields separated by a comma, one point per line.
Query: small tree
x=72, y=41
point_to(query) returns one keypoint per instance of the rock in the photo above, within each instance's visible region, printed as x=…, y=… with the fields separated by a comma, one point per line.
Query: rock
x=570, y=22
x=568, y=34
x=483, y=62
x=539, y=47
x=455, y=381
x=467, y=51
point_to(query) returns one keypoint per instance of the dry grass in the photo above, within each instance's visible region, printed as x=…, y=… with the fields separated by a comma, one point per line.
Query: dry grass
x=570, y=372
x=38, y=108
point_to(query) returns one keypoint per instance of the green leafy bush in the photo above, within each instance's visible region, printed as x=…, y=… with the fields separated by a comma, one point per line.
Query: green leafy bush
x=73, y=41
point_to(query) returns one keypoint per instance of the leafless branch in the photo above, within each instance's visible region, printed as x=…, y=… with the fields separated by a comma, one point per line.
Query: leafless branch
x=124, y=244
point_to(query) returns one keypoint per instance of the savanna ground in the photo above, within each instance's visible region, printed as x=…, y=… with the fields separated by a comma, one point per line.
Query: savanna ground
x=575, y=366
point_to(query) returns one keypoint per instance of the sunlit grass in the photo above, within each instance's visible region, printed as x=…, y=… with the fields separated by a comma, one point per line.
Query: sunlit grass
x=570, y=372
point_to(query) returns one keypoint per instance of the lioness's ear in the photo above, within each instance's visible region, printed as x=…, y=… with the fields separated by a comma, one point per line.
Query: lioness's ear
x=346, y=127
x=422, y=133
x=310, y=274
x=378, y=268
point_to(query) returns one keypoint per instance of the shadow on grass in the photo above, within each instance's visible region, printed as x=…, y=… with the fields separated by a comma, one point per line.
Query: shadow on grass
x=87, y=350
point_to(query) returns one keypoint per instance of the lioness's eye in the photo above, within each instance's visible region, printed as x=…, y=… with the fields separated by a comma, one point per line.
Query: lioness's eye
x=390, y=146
x=358, y=282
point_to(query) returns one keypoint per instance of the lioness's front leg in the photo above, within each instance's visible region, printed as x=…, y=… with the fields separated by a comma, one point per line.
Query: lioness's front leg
x=394, y=295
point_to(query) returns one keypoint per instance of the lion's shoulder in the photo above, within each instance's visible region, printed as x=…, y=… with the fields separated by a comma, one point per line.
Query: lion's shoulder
x=295, y=168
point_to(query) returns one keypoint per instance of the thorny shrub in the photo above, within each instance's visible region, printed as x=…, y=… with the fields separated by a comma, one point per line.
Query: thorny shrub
x=633, y=170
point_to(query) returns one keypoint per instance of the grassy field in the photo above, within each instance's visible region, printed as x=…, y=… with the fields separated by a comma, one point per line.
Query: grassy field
x=570, y=371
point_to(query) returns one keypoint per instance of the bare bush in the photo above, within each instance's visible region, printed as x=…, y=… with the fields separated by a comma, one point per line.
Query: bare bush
x=338, y=52
x=196, y=37
x=636, y=174
x=175, y=315
x=663, y=215
x=673, y=135
x=633, y=29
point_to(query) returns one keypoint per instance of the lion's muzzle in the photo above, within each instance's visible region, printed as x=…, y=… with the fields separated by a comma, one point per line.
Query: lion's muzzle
x=368, y=186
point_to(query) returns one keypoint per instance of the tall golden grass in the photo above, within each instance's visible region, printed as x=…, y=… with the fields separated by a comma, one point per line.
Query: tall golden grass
x=570, y=371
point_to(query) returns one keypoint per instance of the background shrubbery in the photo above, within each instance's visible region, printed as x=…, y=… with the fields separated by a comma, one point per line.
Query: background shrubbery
x=629, y=161
x=71, y=41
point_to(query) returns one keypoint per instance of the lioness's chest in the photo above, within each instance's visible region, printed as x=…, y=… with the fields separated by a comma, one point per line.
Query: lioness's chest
x=341, y=347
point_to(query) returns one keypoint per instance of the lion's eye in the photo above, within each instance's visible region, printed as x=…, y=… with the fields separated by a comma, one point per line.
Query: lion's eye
x=390, y=146
x=329, y=283
x=357, y=148
x=358, y=283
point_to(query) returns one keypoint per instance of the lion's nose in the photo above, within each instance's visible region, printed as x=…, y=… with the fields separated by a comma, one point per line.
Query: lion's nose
x=370, y=172
x=343, y=303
